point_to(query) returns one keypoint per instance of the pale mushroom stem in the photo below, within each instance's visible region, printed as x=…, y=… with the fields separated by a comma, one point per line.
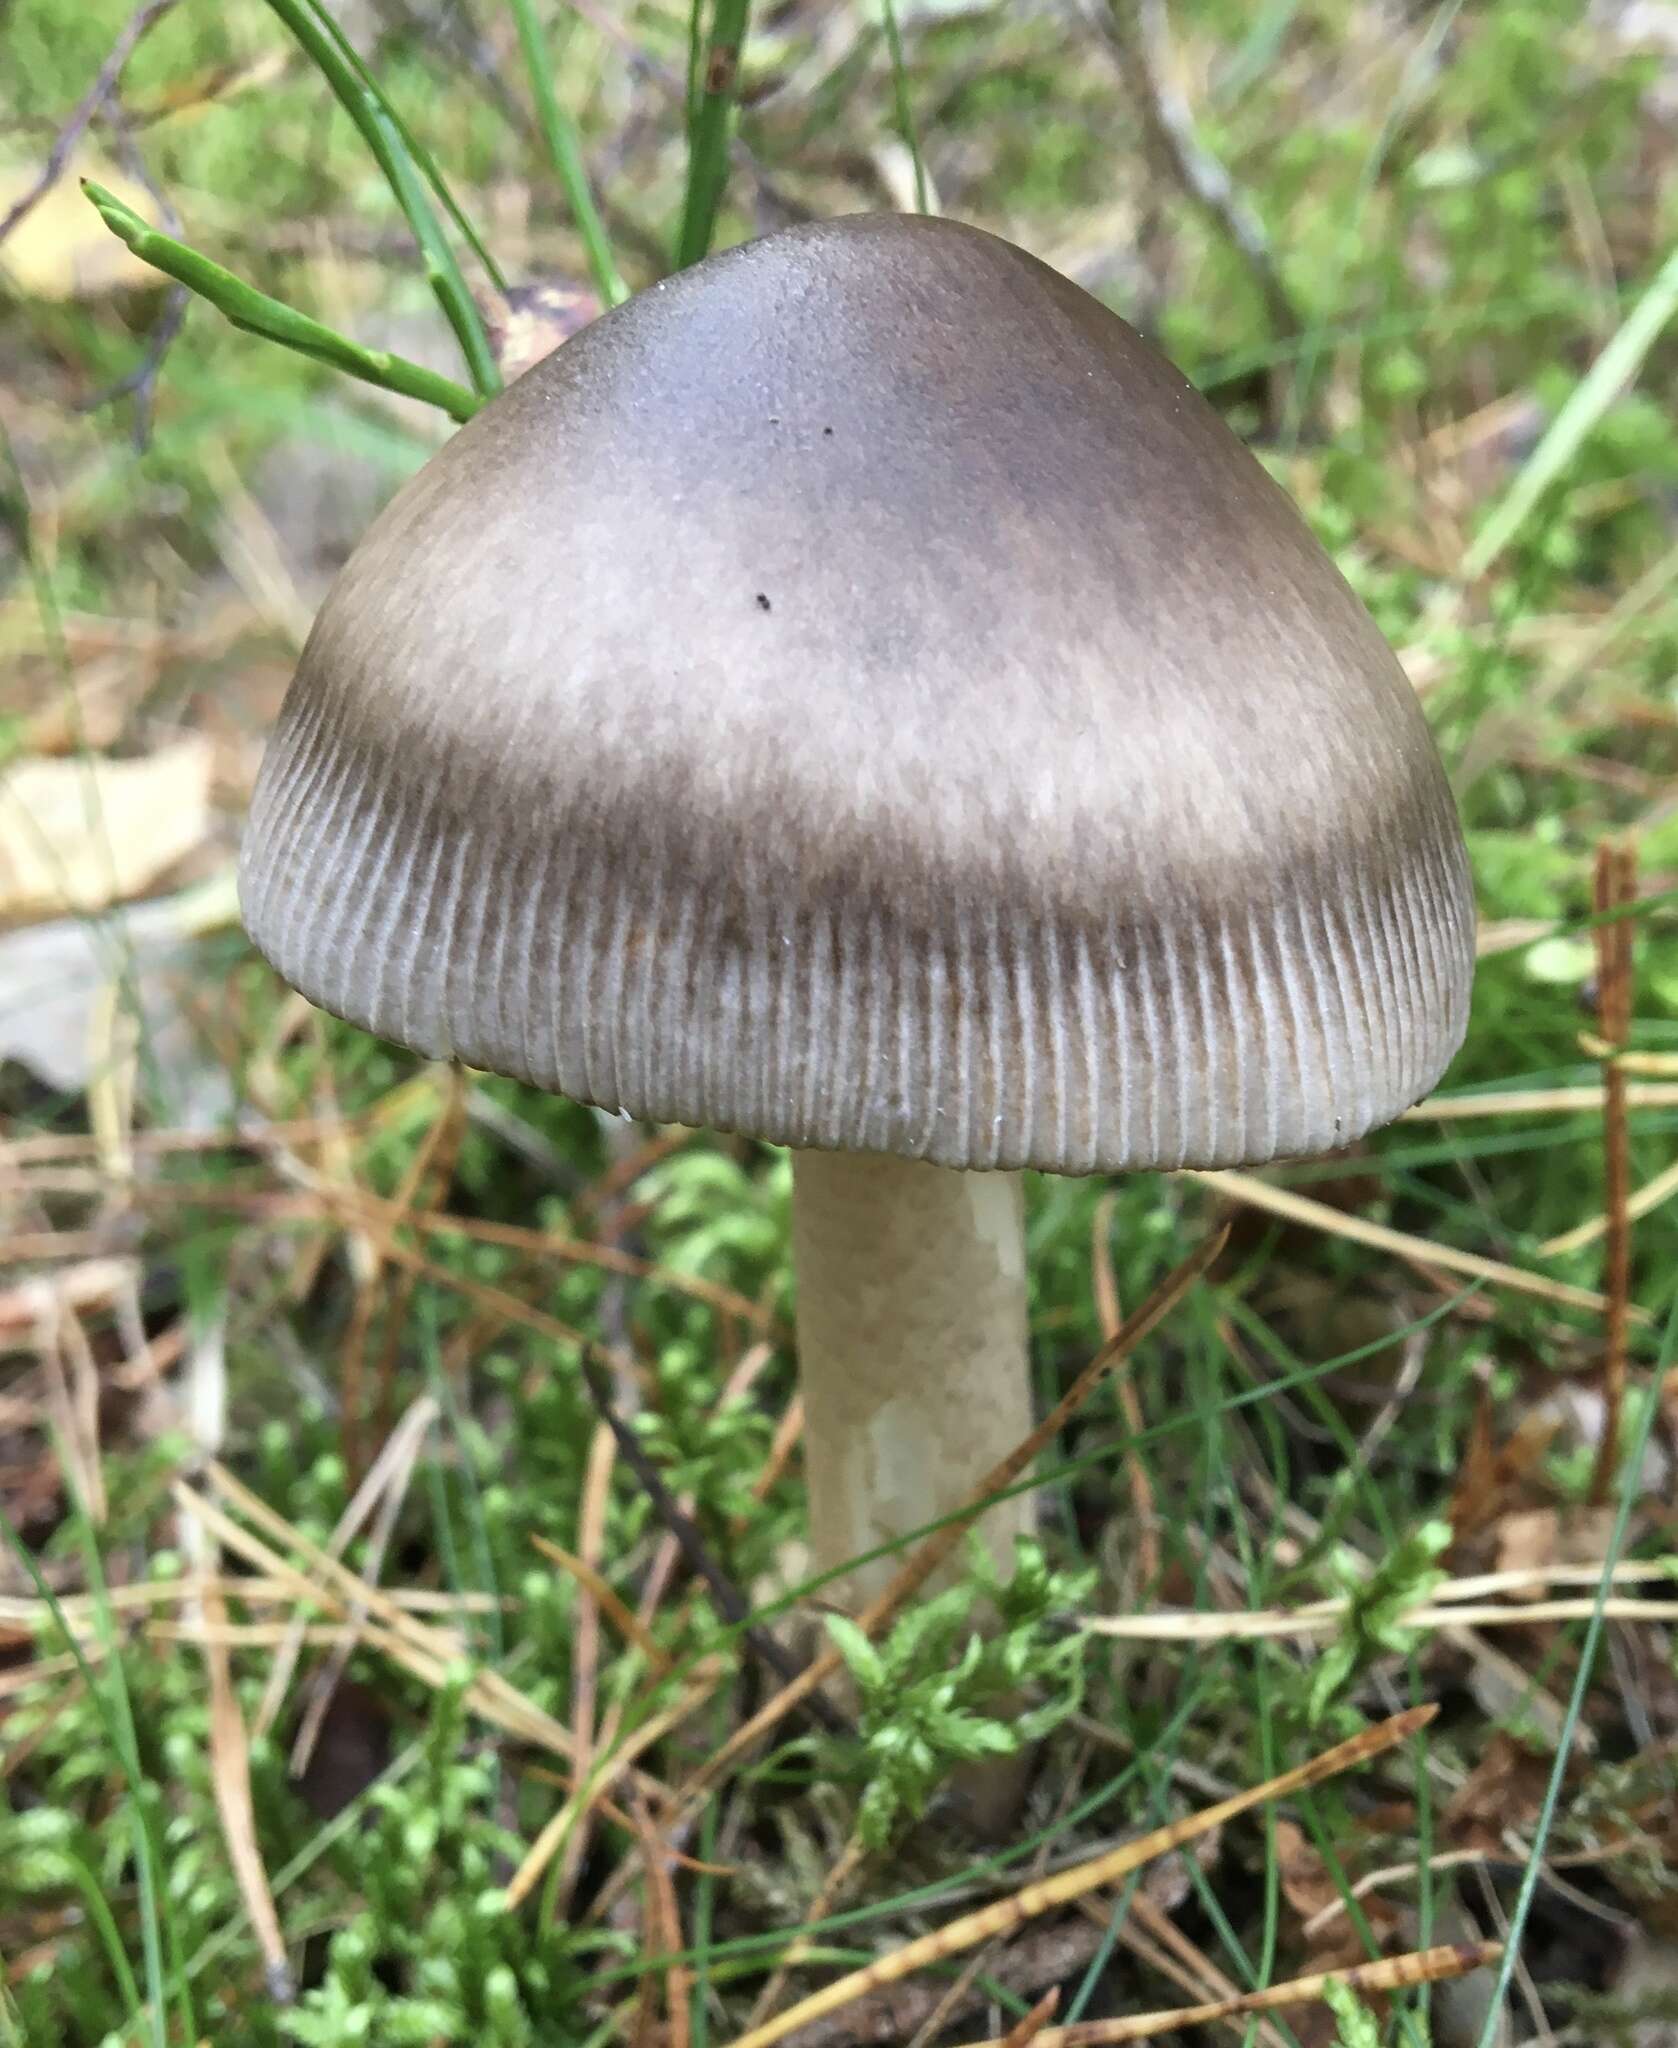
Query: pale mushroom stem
x=912, y=1352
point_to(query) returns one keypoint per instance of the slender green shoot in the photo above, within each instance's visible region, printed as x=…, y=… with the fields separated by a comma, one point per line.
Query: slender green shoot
x=98, y=1911
x=1605, y=381
x=1631, y=1472
x=704, y=1922
x=272, y=319
x=904, y=110
x=110, y=1702
x=416, y=149
x=560, y=133
x=711, y=125
x=381, y=129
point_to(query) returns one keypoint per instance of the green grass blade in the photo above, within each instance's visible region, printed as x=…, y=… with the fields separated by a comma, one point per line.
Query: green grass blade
x=1608, y=377
x=560, y=132
x=1631, y=1472
x=105, y=1926
x=272, y=319
x=703, y=1923
x=900, y=95
x=148, y=1847
x=416, y=149
x=365, y=103
x=113, y=1710
x=711, y=126
x=450, y=288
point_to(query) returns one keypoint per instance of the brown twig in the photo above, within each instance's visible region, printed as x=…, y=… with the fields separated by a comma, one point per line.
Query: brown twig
x=388, y=1475
x=430, y=1654
x=657, y=1579
x=423, y=1188
x=1615, y=888
x=931, y=1554
x=594, y=1597
x=938, y=1546
x=789, y=1433
x=383, y=1525
x=1395, y=1973
x=591, y=1788
x=1032, y=1900
x=828, y=1894
x=735, y=1387
x=664, y=1925
x=87, y=109
x=1039, y=1957
x=956, y=1993
x=1029, y=2027
x=230, y=1773
x=140, y=382
x=1418, y=1251
x=1138, y=30
x=332, y=1203
x=1154, y=1938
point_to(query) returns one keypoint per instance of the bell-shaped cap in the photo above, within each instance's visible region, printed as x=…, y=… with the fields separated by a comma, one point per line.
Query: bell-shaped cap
x=857, y=693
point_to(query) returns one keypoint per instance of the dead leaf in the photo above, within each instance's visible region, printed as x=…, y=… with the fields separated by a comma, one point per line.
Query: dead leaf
x=82, y=834
x=1504, y=1790
x=1534, y=1539
x=1496, y=1478
x=61, y=249
x=55, y=977
x=529, y=321
x=1310, y=1889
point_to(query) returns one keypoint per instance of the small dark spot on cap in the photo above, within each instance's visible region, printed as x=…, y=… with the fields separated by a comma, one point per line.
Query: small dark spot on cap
x=827, y=430
x=762, y=602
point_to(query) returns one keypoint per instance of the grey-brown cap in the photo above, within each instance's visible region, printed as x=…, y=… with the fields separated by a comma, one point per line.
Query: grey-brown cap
x=859, y=694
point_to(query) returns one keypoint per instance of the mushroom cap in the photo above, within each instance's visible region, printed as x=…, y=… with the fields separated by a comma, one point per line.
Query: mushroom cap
x=859, y=694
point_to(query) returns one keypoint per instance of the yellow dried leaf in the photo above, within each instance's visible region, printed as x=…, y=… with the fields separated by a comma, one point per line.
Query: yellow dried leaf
x=61, y=249
x=77, y=835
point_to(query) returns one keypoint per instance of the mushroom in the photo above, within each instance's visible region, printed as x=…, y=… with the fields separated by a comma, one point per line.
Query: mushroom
x=858, y=694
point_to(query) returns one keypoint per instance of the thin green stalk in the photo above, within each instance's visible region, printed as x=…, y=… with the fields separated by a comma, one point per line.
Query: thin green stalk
x=364, y=102
x=900, y=94
x=1417, y=70
x=148, y=1847
x=560, y=132
x=1614, y=370
x=482, y=1579
x=704, y=1918
x=711, y=126
x=696, y=59
x=117, y=1721
x=415, y=148
x=767, y=1943
x=104, y=1924
x=272, y=319
x=442, y=271
x=1631, y=1478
